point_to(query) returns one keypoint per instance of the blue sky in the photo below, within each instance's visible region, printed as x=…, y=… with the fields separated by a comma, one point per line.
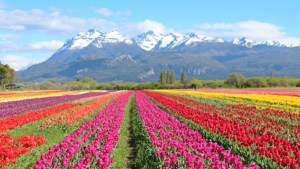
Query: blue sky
x=30, y=31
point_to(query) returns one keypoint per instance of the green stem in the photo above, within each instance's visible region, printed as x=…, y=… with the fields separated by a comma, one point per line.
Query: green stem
x=122, y=149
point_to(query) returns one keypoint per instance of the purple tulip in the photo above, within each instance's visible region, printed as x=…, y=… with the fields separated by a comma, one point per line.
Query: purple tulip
x=99, y=135
x=17, y=107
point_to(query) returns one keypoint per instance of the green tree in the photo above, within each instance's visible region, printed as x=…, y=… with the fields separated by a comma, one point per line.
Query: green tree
x=173, y=77
x=168, y=77
x=235, y=80
x=7, y=75
x=256, y=82
x=298, y=84
x=184, y=78
x=89, y=83
x=273, y=73
x=163, y=77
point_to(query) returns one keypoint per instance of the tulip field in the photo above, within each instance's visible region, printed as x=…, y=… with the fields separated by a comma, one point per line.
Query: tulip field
x=170, y=129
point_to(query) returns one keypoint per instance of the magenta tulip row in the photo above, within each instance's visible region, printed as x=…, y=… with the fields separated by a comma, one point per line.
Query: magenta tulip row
x=179, y=146
x=91, y=144
x=21, y=106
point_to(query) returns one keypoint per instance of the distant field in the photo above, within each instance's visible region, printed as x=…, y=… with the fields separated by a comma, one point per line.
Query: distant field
x=204, y=128
x=279, y=91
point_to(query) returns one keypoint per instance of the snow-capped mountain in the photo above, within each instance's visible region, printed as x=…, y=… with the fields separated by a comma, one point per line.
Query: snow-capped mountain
x=170, y=41
x=111, y=37
x=272, y=43
x=154, y=41
x=148, y=40
x=96, y=38
x=249, y=43
x=192, y=38
x=151, y=40
x=111, y=56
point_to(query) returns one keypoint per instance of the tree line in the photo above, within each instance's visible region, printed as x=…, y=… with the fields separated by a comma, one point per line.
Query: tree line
x=167, y=77
x=167, y=80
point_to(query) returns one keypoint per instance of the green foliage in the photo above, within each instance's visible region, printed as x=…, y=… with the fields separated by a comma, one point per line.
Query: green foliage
x=168, y=77
x=273, y=73
x=163, y=77
x=173, y=77
x=88, y=83
x=122, y=149
x=196, y=83
x=236, y=80
x=184, y=78
x=145, y=156
x=256, y=83
x=7, y=75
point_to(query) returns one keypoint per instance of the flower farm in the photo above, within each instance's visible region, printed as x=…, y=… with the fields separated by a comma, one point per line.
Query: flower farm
x=169, y=129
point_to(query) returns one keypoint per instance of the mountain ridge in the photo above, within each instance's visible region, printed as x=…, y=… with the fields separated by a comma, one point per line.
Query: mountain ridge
x=111, y=56
x=152, y=40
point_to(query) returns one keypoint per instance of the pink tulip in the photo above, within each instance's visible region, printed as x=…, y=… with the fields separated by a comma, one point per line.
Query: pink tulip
x=175, y=141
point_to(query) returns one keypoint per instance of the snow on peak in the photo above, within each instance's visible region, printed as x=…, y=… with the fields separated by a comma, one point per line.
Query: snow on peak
x=170, y=40
x=83, y=39
x=249, y=43
x=148, y=40
x=96, y=38
x=109, y=38
x=196, y=38
x=272, y=43
x=115, y=37
x=245, y=41
x=151, y=40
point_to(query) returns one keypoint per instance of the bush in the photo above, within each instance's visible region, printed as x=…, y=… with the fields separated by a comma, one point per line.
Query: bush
x=256, y=83
x=235, y=80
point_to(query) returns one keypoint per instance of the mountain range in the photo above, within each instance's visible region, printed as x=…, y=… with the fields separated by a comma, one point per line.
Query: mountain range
x=111, y=56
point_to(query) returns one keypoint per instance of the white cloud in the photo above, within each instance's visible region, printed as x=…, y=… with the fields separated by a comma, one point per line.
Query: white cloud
x=50, y=22
x=18, y=62
x=46, y=45
x=55, y=23
x=108, y=12
x=104, y=12
x=43, y=46
x=253, y=29
x=148, y=25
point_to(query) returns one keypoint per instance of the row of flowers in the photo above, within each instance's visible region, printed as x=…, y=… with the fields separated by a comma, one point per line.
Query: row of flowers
x=288, y=103
x=11, y=148
x=251, y=128
x=286, y=92
x=22, y=119
x=21, y=106
x=244, y=112
x=179, y=146
x=17, y=95
x=71, y=115
x=91, y=144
